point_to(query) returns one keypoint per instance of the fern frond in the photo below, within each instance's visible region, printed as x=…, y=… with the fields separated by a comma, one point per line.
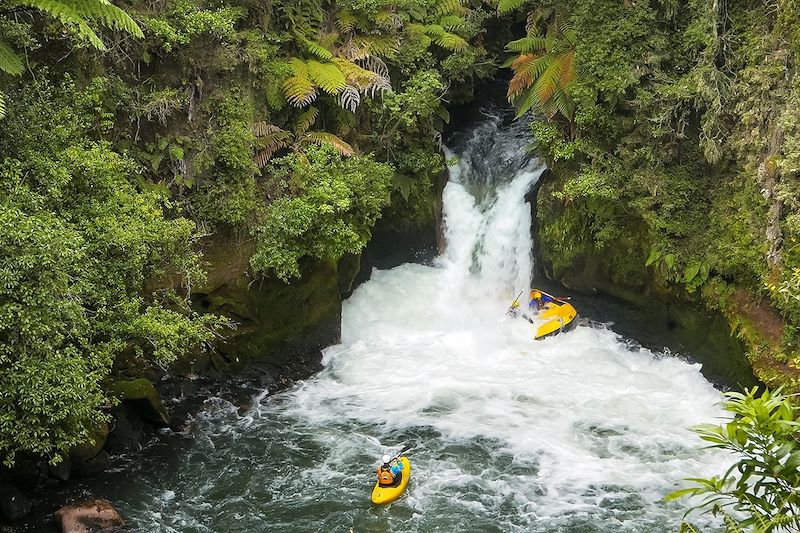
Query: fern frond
x=376, y=65
x=298, y=88
x=506, y=6
x=547, y=83
x=567, y=69
x=354, y=74
x=380, y=45
x=564, y=104
x=349, y=98
x=270, y=139
x=445, y=39
x=322, y=137
x=346, y=21
x=326, y=76
x=522, y=77
x=452, y=22
x=67, y=15
x=328, y=40
x=526, y=45
x=306, y=119
x=448, y=7
x=10, y=62
x=2, y=105
x=106, y=12
x=316, y=49
x=275, y=97
x=388, y=19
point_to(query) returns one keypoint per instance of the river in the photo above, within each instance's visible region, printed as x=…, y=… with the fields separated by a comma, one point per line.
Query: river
x=582, y=432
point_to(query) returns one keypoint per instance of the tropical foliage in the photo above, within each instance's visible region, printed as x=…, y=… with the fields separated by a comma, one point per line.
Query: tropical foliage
x=544, y=70
x=678, y=172
x=759, y=491
x=295, y=126
x=323, y=207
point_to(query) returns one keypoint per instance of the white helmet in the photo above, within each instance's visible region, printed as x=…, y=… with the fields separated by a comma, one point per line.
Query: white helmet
x=386, y=458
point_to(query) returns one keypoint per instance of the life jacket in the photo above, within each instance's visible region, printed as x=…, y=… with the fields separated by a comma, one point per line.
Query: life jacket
x=385, y=476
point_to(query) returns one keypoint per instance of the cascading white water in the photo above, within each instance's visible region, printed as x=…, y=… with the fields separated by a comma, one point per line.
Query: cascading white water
x=576, y=433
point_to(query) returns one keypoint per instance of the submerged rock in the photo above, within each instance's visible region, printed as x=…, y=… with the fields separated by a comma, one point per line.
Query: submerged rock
x=88, y=516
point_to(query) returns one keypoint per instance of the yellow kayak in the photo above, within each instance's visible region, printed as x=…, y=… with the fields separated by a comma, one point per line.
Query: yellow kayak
x=391, y=492
x=560, y=317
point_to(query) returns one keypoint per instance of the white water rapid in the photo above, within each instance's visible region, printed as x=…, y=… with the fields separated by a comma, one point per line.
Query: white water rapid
x=576, y=433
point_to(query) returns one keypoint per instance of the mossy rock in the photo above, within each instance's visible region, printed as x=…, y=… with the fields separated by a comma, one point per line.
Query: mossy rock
x=143, y=397
x=280, y=327
x=93, y=445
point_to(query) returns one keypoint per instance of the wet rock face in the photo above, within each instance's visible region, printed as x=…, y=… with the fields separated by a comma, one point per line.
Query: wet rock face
x=13, y=504
x=280, y=329
x=88, y=516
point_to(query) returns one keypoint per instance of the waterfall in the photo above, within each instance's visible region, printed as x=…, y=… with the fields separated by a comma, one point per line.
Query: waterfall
x=575, y=433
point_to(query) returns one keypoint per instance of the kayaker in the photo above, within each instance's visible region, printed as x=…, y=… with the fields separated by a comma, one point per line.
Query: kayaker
x=388, y=470
x=539, y=301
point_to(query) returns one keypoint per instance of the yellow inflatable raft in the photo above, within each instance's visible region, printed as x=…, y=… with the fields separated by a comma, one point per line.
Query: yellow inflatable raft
x=560, y=317
x=390, y=493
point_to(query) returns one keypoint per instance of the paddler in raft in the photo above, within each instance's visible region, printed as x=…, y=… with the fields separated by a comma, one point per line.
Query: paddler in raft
x=558, y=315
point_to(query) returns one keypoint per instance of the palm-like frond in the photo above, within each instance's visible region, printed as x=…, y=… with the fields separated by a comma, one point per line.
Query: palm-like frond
x=526, y=45
x=452, y=22
x=544, y=72
x=346, y=20
x=349, y=98
x=269, y=139
x=441, y=37
x=298, y=88
x=323, y=137
x=316, y=49
x=379, y=45
x=449, y=7
x=506, y=6
x=10, y=61
x=306, y=119
x=326, y=76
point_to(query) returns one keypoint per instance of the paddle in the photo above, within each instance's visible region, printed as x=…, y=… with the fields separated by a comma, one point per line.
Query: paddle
x=516, y=301
x=401, y=452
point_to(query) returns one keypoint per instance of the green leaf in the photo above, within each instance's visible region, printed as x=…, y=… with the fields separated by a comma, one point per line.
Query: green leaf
x=10, y=62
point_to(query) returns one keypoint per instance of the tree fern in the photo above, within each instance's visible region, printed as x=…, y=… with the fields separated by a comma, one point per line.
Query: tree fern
x=269, y=139
x=379, y=45
x=306, y=119
x=544, y=72
x=506, y=6
x=452, y=22
x=322, y=137
x=78, y=14
x=298, y=88
x=448, y=7
x=326, y=76
x=527, y=45
x=349, y=98
x=316, y=49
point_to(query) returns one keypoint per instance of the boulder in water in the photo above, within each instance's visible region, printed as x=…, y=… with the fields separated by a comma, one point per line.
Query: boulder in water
x=143, y=396
x=88, y=516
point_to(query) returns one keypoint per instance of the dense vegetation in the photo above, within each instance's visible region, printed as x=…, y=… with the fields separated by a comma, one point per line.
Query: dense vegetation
x=675, y=143
x=672, y=128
